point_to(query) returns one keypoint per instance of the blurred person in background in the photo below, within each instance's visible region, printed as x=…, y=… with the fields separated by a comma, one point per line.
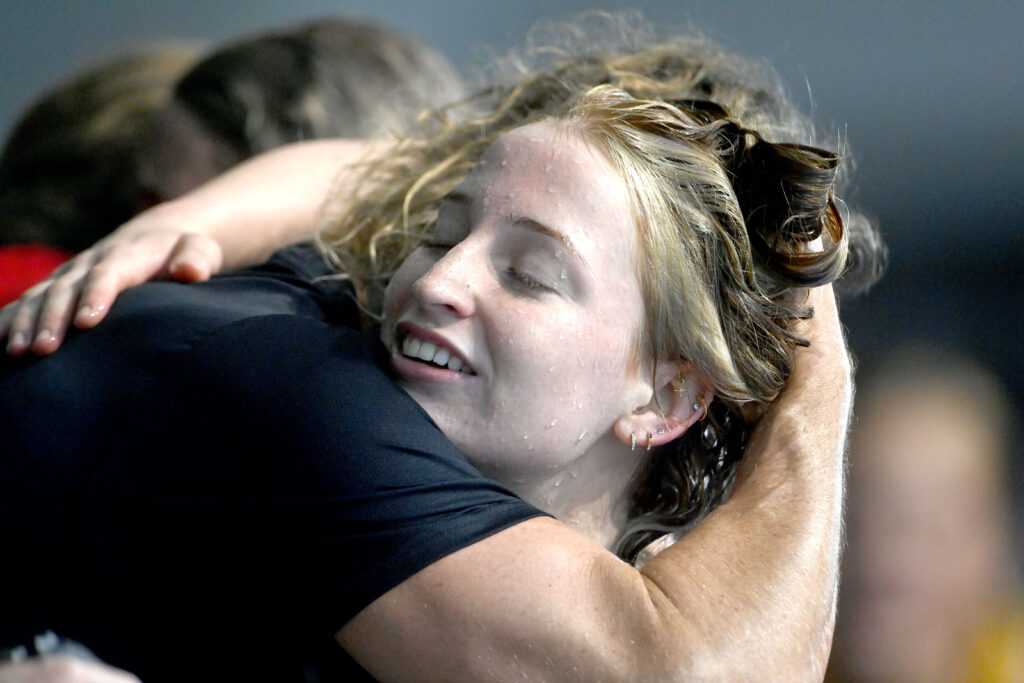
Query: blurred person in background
x=152, y=124
x=931, y=589
x=328, y=78
x=67, y=167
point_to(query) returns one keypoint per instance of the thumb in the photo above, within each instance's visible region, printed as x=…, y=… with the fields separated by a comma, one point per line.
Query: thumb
x=195, y=258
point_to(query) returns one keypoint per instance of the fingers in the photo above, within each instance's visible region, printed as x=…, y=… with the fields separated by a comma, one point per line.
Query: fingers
x=824, y=325
x=117, y=270
x=195, y=258
x=39, y=320
x=82, y=291
x=6, y=320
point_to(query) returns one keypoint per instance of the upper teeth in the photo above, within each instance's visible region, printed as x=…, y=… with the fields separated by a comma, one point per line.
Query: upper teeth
x=430, y=352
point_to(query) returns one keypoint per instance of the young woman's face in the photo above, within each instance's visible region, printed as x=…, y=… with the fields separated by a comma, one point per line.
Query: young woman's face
x=516, y=328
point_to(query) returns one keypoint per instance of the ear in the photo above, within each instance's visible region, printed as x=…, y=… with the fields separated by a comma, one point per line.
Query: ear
x=680, y=397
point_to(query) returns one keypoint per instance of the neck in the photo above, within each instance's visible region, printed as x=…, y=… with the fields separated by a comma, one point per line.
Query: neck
x=590, y=494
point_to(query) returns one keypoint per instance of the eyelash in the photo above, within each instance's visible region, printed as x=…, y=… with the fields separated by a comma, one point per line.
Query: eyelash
x=526, y=281
x=519, y=277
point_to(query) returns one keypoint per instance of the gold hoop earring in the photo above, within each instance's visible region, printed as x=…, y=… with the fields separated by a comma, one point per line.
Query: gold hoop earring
x=704, y=406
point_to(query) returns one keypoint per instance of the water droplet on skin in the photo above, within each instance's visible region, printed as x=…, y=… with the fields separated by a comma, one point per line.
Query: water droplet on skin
x=552, y=423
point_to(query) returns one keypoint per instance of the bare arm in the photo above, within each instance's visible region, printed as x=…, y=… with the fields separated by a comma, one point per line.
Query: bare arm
x=237, y=219
x=265, y=203
x=774, y=547
x=748, y=595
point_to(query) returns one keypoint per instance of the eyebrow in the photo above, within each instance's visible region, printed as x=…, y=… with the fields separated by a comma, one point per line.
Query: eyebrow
x=550, y=232
x=457, y=197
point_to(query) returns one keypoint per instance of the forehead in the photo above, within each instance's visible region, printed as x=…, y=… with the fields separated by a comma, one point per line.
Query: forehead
x=550, y=173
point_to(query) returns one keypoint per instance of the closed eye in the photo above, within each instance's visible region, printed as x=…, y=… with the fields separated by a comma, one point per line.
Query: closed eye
x=525, y=281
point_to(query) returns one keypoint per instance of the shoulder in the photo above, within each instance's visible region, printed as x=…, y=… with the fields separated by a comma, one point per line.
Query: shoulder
x=157, y=335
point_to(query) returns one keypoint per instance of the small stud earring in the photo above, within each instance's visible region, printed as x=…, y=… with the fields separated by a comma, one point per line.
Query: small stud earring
x=650, y=441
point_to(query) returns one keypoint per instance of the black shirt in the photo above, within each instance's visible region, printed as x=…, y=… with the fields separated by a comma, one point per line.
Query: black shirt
x=218, y=477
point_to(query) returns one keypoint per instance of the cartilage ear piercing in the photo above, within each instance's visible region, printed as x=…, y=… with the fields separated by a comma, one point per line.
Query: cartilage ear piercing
x=696, y=407
x=632, y=441
x=681, y=389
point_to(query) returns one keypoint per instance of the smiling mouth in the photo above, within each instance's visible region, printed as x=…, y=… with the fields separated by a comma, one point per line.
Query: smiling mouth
x=429, y=352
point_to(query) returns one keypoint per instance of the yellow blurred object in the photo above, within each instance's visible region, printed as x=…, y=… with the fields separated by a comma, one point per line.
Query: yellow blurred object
x=997, y=652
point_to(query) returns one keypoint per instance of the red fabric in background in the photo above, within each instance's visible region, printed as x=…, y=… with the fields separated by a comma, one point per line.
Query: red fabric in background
x=23, y=265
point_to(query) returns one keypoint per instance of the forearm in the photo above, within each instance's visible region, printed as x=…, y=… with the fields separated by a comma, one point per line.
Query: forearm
x=265, y=203
x=236, y=219
x=767, y=561
x=748, y=595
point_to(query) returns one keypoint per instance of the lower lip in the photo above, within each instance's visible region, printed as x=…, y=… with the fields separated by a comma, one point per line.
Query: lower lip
x=419, y=371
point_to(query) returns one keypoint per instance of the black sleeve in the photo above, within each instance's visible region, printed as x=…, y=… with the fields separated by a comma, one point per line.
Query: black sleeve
x=217, y=478
x=349, y=486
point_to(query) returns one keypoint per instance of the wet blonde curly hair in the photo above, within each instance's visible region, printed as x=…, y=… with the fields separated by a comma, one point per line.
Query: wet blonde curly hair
x=729, y=195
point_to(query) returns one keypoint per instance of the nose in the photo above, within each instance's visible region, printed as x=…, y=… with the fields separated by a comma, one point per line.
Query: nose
x=449, y=284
